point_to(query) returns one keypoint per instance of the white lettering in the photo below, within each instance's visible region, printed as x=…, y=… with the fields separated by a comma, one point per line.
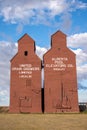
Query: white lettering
x=70, y=65
x=59, y=64
x=25, y=70
x=60, y=58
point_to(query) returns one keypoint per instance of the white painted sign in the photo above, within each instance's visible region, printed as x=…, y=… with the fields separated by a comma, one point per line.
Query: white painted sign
x=59, y=64
x=25, y=70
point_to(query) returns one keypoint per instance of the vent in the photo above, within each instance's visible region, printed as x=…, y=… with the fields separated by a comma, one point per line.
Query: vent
x=25, y=53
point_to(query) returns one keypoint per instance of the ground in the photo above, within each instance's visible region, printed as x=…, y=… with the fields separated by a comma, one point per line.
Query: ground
x=43, y=121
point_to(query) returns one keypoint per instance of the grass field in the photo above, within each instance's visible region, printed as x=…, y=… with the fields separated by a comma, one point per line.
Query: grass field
x=43, y=121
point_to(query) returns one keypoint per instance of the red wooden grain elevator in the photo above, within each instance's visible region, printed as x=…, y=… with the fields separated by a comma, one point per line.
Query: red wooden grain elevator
x=25, y=90
x=60, y=78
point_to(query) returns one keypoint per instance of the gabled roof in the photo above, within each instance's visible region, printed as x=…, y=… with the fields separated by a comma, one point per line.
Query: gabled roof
x=58, y=32
x=28, y=38
x=14, y=57
x=26, y=35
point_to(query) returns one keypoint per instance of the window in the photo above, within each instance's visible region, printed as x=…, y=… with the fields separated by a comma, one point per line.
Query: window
x=28, y=82
x=25, y=53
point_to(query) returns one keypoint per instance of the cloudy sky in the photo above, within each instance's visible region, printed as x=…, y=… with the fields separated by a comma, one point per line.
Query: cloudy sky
x=40, y=19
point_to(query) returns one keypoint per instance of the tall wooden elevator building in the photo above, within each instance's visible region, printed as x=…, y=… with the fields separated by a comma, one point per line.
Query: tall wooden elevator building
x=25, y=90
x=60, y=86
x=60, y=80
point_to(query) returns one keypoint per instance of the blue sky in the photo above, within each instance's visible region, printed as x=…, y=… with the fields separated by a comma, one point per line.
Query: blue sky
x=40, y=19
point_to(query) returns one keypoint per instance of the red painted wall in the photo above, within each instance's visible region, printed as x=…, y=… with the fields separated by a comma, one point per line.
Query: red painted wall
x=60, y=80
x=25, y=90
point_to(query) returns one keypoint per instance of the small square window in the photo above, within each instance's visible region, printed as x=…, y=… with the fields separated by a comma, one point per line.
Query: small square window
x=28, y=83
x=25, y=53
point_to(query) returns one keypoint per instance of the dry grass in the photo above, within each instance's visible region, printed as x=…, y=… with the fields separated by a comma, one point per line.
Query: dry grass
x=43, y=121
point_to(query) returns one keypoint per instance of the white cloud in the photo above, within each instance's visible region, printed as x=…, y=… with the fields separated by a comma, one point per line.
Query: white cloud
x=4, y=97
x=81, y=56
x=7, y=50
x=82, y=95
x=40, y=51
x=28, y=11
x=82, y=72
x=43, y=12
x=19, y=28
x=79, y=43
x=78, y=40
x=66, y=21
